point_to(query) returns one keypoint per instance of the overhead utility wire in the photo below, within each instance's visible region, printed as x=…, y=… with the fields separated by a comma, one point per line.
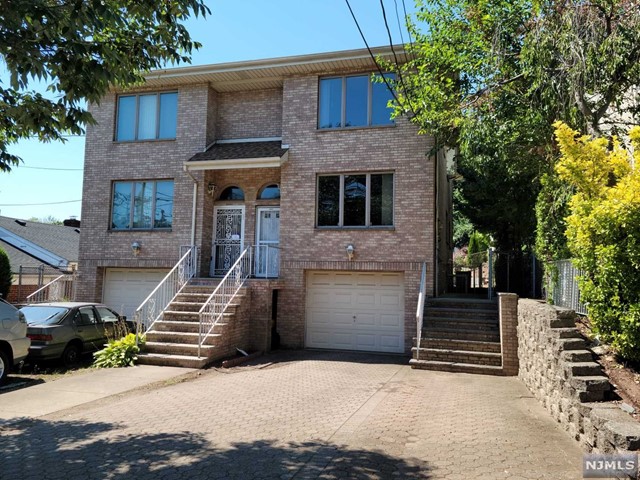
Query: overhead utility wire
x=406, y=19
x=51, y=168
x=395, y=57
x=399, y=24
x=36, y=204
x=384, y=79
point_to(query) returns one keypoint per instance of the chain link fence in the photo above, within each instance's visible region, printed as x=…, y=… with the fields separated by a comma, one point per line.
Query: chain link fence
x=565, y=291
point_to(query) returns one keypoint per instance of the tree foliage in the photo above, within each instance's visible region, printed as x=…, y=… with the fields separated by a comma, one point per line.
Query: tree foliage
x=79, y=49
x=492, y=76
x=5, y=274
x=603, y=232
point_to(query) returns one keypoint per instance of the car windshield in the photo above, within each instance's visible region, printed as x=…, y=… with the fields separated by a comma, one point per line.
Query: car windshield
x=43, y=315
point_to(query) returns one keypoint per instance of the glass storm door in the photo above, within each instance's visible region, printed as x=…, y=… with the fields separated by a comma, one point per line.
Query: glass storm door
x=228, y=238
x=267, y=241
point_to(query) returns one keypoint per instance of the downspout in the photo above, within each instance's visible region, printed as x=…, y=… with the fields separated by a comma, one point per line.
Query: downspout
x=193, y=208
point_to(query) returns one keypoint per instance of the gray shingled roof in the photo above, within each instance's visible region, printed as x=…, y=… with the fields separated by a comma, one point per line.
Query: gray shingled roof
x=60, y=240
x=234, y=151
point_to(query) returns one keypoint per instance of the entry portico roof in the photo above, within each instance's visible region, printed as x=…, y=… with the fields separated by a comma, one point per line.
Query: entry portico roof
x=225, y=154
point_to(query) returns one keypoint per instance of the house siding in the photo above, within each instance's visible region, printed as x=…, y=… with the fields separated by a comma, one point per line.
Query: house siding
x=252, y=114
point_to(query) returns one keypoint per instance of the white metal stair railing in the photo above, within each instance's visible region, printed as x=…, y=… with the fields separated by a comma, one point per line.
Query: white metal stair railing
x=216, y=305
x=59, y=289
x=152, y=308
x=420, y=310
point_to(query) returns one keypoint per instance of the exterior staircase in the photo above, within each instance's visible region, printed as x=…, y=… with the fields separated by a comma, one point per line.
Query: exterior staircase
x=173, y=339
x=459, y=335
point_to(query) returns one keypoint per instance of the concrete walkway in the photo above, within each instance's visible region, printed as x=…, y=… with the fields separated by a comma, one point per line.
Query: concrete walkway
x=64, y=393
x=301, y=415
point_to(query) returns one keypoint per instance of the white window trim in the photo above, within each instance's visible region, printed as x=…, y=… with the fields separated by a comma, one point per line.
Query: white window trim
x=130, y=228
x=343, y=105
x=135, y=125
x=367, y=224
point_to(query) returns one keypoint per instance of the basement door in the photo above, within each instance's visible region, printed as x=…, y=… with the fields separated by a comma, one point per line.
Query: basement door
x=355, y=311
x=228, y=238
x=267, y=241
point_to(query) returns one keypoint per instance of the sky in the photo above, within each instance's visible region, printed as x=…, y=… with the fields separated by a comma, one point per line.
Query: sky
x=49, y=181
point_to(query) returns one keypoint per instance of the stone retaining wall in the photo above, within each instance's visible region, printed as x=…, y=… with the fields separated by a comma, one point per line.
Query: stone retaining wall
x=560, y=371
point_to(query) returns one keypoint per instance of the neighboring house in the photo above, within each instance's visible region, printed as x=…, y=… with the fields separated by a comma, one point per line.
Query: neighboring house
x=38, y=252
x=297, y=153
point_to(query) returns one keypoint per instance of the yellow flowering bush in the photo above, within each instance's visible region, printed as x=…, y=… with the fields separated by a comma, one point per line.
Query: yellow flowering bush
x=603, y=232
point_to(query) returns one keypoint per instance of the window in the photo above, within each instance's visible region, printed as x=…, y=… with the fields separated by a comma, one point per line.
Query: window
x=270, y=192
x=232, y=193
x=354, y=101
x=147, y=117
x=355, y=200
x=142, y=205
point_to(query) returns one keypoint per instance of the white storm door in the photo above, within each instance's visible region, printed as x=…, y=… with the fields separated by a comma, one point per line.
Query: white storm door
x=267, y=241
x=228, y=238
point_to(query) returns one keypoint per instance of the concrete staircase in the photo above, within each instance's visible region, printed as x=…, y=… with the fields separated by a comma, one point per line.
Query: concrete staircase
x=459, y=335
x=173, y=340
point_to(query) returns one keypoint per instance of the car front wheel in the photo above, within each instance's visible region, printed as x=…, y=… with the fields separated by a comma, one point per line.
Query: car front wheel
x=71, y=355
x=4, y=366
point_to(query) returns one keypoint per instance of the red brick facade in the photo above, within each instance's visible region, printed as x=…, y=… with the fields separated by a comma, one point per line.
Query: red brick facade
x=290, y=112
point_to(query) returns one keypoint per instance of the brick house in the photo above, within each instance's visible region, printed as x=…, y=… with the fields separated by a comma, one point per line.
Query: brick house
x=294, y=156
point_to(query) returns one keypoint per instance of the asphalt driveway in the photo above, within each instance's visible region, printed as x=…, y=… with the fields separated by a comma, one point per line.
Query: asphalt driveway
x=301, y=415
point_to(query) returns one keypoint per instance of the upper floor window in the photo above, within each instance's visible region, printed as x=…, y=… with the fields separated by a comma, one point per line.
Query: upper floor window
x=355, y=200
x=145, y=205
x=151, y=116
x=354, y=101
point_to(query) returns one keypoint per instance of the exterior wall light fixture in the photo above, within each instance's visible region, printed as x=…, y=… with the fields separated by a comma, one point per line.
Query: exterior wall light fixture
x=350, y=251
x=211, y=188
x=135, y=248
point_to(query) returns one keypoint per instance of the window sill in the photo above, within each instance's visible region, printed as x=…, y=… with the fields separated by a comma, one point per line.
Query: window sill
x=137, y=230
x=150, y=140
x=389, y=228
x=350, y=129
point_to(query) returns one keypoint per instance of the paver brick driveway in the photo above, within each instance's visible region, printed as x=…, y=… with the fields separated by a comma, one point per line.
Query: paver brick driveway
x=306, y=415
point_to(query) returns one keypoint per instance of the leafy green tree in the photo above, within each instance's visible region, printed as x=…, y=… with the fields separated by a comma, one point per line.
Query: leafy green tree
x=79, y=49
x=5, y=274
x=491, y=77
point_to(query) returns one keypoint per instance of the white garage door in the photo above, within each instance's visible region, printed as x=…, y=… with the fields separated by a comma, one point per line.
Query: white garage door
x=126, y=288
x=355, y=311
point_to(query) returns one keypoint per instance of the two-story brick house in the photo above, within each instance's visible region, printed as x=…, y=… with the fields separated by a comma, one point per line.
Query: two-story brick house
x=297, y=156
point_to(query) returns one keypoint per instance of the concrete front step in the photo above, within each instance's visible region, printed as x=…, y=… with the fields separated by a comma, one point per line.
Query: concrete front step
x=459, y=356
x=472, y=304
x=452, y=344
x=178, y=349
x=473, y=313
x=164, y=360
x=189, y=338
x=461, y=334
x=193, y=316
x=455, y=367
x=192, y=297
x=459, y=323
x=176, y=326
x=182, y=306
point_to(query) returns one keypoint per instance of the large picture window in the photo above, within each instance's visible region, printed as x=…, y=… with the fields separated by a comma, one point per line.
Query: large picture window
x=150, y=116
x=354, y=101
x=142, y=205
x=355, y=200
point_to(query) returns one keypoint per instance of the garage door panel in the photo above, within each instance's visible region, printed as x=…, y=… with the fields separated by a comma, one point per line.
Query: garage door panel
x=366, y=341
x=366, y=300
x=376, y=300
x=390, y=300
x=342, y=319
x=390, y=320
x=365, y=319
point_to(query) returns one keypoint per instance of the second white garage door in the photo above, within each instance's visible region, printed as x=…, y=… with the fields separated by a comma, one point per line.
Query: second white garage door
x=355, y=311
x=126, y=288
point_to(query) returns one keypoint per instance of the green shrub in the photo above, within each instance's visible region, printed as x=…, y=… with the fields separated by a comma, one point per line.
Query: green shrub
x=603, y=233
x=118, y=353
x=5, y=274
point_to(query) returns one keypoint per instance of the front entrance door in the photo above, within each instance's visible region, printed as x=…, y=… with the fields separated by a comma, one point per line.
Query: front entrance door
x=228, y=238
x=267, y=241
